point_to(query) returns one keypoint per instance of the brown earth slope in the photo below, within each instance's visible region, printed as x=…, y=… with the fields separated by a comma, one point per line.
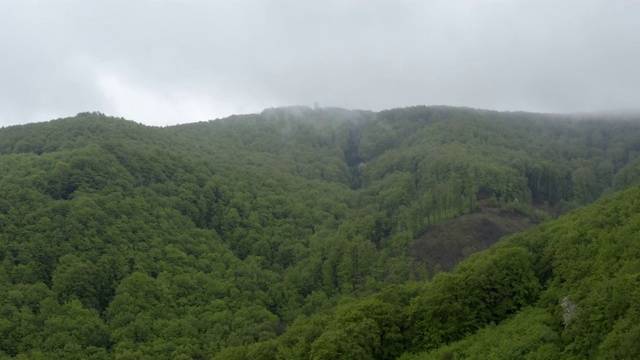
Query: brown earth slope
x=444, y=245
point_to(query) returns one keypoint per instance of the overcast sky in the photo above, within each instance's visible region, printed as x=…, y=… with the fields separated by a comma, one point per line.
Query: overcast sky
x=168, y=62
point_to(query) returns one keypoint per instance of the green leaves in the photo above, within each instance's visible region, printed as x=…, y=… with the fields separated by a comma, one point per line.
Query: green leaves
x=272, y=235
x=487, y=288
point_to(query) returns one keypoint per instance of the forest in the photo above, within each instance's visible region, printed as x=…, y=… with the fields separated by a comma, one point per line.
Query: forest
x=426, y=232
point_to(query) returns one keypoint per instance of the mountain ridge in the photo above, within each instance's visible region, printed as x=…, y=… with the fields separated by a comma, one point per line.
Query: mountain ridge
x=279, y=234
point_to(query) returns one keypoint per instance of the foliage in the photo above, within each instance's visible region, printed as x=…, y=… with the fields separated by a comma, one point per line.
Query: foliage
x=589, y=265
x=288, y=235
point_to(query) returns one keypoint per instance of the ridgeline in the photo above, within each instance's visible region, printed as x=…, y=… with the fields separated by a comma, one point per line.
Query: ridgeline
x=326, y=233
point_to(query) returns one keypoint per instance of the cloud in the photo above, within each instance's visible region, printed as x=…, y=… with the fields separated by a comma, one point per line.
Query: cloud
x=167, y=62
x=163, y=105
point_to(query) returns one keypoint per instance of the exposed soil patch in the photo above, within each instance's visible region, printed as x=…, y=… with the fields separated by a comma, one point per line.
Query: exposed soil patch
x=446, y=244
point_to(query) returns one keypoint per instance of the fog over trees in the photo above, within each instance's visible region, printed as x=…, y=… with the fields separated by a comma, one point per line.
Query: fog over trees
x=167, y=62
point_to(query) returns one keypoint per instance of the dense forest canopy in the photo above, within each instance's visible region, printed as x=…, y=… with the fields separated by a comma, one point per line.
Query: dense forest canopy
x=322, y=234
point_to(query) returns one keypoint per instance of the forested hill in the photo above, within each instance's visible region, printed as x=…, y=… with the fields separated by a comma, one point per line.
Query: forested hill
x=309, y=233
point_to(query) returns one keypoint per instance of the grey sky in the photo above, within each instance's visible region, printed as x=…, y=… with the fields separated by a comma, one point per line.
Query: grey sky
x=167, y=62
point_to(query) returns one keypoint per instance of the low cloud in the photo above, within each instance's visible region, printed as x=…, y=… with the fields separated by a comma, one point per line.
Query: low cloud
x=172, y=62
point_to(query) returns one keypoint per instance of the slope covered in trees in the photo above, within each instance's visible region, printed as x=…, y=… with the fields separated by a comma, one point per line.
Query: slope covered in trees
x=290, y=234
x=586, y=266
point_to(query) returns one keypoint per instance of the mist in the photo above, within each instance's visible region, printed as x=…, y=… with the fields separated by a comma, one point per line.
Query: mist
x=164, y=63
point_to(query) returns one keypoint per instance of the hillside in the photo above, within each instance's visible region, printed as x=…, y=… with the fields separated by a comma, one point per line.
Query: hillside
x=442, y=246
x=586, y=268
x=276, y=234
